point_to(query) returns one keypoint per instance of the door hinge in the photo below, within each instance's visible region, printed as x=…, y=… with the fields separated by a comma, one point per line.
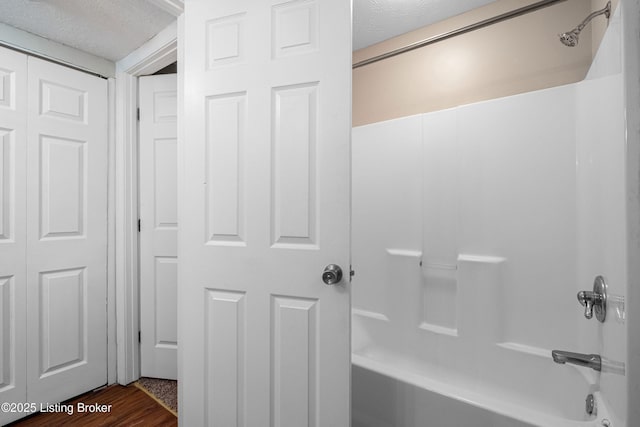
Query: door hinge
x=139, y=225
x=138, y=114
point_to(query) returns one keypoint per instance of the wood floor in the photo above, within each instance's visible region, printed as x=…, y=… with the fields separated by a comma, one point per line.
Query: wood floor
x=130, y=406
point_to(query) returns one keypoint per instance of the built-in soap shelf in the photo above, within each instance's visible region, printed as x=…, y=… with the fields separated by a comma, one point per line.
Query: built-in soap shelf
x=483, y=259
x=369, y=314
x=404, y=253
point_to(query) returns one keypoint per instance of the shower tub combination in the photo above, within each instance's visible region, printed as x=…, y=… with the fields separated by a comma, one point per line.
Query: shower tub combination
x=473, y=230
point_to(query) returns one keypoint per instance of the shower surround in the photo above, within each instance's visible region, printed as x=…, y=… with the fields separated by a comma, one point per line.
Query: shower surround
x=473, y=230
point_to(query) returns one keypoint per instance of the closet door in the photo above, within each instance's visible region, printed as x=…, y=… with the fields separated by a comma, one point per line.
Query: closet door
x=13, y=114
x=159, y=229
x=66, y=232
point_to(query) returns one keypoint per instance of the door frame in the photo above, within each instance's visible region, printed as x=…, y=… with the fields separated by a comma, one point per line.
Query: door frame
x=154, y=55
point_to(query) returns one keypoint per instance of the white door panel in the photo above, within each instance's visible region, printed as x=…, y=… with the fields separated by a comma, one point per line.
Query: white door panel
x=13, y=120
x=159, y=231
x=264, y=207
x=66, y=232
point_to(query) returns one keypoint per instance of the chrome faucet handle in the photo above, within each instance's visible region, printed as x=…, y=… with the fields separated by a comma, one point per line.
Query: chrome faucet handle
x=596, y=300
x=587, y=299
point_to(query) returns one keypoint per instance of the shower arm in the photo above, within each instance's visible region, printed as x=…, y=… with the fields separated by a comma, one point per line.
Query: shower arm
x=606, y=11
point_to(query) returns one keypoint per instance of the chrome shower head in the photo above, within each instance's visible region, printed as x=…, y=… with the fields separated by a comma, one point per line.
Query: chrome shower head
x=570, y=38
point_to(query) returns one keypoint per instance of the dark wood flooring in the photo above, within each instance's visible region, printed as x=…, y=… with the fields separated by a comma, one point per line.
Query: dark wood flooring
x=130, y=406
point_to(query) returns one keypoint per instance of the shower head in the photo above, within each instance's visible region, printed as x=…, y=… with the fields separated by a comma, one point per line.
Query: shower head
x=570, y=38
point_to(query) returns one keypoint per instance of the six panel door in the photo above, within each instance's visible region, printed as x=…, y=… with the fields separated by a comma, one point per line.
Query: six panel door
x=13, y=313
x=264, y=207
x=66, y=232
x=53, y=231
x=159, y=227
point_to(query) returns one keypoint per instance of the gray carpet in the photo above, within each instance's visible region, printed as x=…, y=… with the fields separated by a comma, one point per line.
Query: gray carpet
x=165, y=391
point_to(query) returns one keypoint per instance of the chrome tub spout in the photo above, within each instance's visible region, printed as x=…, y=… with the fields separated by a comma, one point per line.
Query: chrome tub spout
x=592, y=361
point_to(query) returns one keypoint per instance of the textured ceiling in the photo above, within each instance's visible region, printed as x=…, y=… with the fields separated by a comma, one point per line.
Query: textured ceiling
x=107, y=28
x=378, y=20
x=113, y=28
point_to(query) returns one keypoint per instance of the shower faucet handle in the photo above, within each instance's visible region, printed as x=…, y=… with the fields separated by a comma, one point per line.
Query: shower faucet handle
x=587, y=299
x=596, y=300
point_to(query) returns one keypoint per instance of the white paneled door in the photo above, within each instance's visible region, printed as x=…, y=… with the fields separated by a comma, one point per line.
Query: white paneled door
x=53, y=129
x=13, y=314
x=159, y=226
x=66, y=232
x=264, y=207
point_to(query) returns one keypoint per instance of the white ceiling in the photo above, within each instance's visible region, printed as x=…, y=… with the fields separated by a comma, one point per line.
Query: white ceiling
x=113, y=28
x=110, y=29
x=378, y=20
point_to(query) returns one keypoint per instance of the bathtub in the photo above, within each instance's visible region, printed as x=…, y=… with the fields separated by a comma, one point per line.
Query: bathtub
x=408, y=372
x=381, y=400
x=390, y=389
x=388, y=392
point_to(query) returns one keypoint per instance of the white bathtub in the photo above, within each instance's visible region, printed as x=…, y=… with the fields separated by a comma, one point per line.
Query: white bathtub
x=380, y=400
x=390, y=390
x=410, y=373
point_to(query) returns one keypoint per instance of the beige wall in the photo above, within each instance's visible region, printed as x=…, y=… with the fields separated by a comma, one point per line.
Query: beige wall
x=599, y=24
x=515, y=56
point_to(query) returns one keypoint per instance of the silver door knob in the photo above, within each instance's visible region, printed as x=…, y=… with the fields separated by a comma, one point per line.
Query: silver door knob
x=332, y=274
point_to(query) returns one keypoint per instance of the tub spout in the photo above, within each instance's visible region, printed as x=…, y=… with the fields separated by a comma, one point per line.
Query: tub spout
x=592, y=361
